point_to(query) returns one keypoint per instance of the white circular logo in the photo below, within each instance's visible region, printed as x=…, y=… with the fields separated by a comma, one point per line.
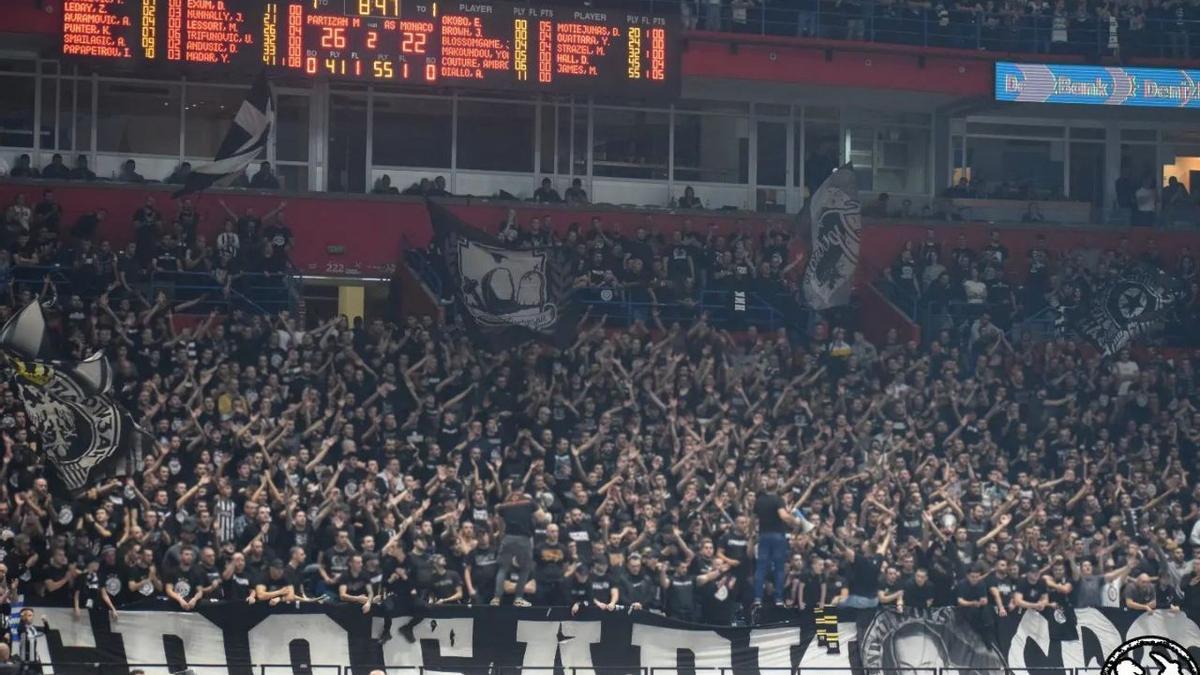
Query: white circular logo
x=1159, y=656
x=112, y=586
x=147, y=588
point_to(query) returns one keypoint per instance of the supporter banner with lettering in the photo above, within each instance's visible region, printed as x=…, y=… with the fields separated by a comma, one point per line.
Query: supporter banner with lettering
x=508, y=294
x=1125, y=307
x=253, y=639
x=836, y=220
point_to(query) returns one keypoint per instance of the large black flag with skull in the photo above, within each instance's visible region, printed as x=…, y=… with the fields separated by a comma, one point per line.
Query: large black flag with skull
x=508, y=294
x=85, y=434
x=836, y=216
x=1130, y=304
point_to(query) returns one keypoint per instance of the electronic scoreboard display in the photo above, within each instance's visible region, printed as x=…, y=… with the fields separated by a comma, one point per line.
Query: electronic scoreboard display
x=493, y=45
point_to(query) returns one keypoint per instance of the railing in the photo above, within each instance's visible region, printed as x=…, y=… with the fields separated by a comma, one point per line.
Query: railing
x=252, y=292
x=928, y=24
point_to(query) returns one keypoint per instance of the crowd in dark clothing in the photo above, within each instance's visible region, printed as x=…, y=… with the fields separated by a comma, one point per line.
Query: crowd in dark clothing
x=396, y=466
x=166, y=247
x=965, y=290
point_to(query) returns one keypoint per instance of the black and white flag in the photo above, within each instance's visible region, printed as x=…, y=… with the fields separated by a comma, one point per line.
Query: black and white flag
x=246, y=138
x=86, y=435
x=1130, y=304
x=836, y=216
x=508, y=294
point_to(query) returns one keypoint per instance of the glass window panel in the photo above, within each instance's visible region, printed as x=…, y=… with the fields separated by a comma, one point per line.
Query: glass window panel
x=83, y=117
x=772, y=153
x=822, y=153
x=549, y=138
x=208, y=113
x=712, y=148
x=1020, y=169
x=823, y=113
x=494, y=136
x=1147, y=135
x=291, y=128
x=713, y=106
x=902, y=155
x=17, y=65
x=138, y=118
x=1087, y=133
x=1087, y=173
x=773, y=109
x=412, y=132
x=630, y=144
x=579, y=147
x=16, y=111
x=1034, y=130
x=860, y=151
x=292, y=176
x=50, y=96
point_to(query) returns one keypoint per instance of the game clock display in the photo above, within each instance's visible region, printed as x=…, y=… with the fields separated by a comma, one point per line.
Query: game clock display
x=493, y=45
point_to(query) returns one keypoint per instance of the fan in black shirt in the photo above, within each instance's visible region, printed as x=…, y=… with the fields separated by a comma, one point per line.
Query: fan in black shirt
x=446, y=586
x=354, y=584
x=1031, y=592
x=275, y=587
x=918, y=592
x=185, y=584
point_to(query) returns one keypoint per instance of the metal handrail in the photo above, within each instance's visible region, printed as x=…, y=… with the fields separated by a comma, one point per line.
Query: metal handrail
x=179, y=285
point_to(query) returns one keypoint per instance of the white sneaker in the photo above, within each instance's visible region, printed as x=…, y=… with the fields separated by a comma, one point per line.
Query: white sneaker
x=495, y=602
x=521, y=602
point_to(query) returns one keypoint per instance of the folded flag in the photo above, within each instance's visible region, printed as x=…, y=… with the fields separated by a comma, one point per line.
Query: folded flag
x=85, y=434
x=836, y=216
x=246, y=138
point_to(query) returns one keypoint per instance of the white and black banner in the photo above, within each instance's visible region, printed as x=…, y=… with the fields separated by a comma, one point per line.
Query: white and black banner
x=86, y=434
x=1129, y=305
x=252, y=639
x=508, y=294
x=836, y=220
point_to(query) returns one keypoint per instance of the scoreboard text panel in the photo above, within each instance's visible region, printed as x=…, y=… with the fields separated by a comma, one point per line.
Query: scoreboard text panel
x=494, y=45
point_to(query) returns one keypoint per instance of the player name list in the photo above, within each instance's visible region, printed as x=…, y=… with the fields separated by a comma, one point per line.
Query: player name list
x=104, y=28
x=214, y=31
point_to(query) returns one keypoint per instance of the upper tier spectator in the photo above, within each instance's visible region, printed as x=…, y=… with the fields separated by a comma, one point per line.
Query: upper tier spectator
x=546, y=194
x=689, y=200
x=576, y=194
x=264, y=178
x=56, y=170
x=129, y=173
x=81, y=171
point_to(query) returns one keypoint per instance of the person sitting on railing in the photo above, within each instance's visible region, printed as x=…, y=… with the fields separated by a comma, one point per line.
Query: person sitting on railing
x=264, y=178
x=576, y=194
x=129, y=174
x=56, y=170
x=546, y=194
x=383, y=186
x=23, y=168
x=81, y=171
x=180, y=175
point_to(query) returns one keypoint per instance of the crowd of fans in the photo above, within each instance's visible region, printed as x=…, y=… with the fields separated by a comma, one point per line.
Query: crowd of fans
x=167, y=248
x=1114, y=28
x=973, y=294
x=388, y=465
x=264, y=177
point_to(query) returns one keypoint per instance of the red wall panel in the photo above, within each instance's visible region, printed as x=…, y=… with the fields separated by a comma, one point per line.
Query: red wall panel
x=363, y=236
x=366, y=235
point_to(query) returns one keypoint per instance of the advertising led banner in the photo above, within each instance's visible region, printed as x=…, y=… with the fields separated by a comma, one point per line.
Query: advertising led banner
x=237, y=639
x=1097, y=85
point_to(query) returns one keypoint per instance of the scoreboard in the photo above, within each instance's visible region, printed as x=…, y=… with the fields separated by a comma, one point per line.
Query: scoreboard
x=493, y=45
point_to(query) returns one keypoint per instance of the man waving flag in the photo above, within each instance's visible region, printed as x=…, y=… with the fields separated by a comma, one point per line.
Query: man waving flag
x=245, y=139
